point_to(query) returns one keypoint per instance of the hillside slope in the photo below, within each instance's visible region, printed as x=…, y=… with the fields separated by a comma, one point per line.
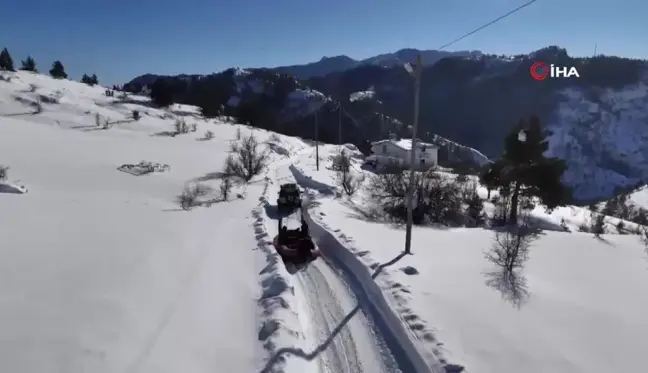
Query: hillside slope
x=101, y=270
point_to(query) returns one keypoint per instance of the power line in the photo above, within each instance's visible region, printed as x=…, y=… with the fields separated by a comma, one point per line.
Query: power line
x=488, y=24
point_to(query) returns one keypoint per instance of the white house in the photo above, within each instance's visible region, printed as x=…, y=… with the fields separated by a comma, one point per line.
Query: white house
x=397, y=152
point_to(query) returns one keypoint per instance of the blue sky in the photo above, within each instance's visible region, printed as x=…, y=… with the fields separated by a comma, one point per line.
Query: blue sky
x=119, y=39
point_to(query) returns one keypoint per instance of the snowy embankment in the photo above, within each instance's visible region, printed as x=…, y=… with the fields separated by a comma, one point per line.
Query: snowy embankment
x=347, y=327
x=560, y=314
x=101, y=270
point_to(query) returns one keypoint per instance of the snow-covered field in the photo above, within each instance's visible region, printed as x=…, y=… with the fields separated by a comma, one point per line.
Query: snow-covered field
x=102, y=271
x=577, y=306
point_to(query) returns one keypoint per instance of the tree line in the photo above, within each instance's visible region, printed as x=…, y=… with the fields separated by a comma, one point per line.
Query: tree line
x=57, y=70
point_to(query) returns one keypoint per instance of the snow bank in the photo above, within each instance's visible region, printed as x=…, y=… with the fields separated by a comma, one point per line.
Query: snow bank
x=12, y=188
x=281, y=327
x=405, y=352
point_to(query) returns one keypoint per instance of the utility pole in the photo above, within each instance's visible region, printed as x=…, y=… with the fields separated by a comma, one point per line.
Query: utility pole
x=316, y=141
x=340, y=125
x=416, y=73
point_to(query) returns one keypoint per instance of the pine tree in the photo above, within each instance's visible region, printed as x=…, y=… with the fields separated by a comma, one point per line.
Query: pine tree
x=6, y=62
x=90, y=80
x=58, y=71
x=525, y=171
x=86, y=79
x=29, y=64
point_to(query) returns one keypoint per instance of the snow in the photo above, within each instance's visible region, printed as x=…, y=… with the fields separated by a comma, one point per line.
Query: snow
x=602, y=136
x=563, y=313
x=362, y=95
x=102, y=271
x=640, y=197
x=305, y=102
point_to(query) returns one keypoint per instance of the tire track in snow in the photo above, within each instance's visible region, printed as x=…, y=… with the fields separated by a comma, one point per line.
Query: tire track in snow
x=355, y=347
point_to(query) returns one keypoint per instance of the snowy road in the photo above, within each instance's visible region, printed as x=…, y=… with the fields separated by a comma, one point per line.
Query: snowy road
x=339, y=324
x=340, y=334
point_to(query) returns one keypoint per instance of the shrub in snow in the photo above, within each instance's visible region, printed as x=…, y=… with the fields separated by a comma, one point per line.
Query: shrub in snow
x=238, y=133
x=598, y=225
x=3, y=172
x=32, y=88
x=209, y=135
x=226, y=179
x=341, y=162
x=58, y=71
x=90, y=80
x=621, y=229
x=189, y=197
x=136, y=115
x=38, y=107
x=29, y=65
x=181, y=126
x=475, y=214
x=274, y=137
x=247, y=160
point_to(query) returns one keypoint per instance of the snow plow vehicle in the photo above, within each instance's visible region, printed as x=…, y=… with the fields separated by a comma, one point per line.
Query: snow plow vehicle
x=289, y=198
x=295, y=246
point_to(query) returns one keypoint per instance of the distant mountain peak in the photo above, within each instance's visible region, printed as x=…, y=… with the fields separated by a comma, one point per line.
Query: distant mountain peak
x=341, y=57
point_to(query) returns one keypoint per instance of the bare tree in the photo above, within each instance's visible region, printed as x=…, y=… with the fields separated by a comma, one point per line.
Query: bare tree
x=345, y=179
x=247, y=159
x=436, y=199
x=510, y=248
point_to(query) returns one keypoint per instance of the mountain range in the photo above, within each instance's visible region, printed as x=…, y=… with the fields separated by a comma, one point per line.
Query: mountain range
x=597, y=122
x=328, y=65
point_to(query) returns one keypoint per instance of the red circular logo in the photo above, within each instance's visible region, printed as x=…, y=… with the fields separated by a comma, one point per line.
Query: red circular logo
x=539, y=71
